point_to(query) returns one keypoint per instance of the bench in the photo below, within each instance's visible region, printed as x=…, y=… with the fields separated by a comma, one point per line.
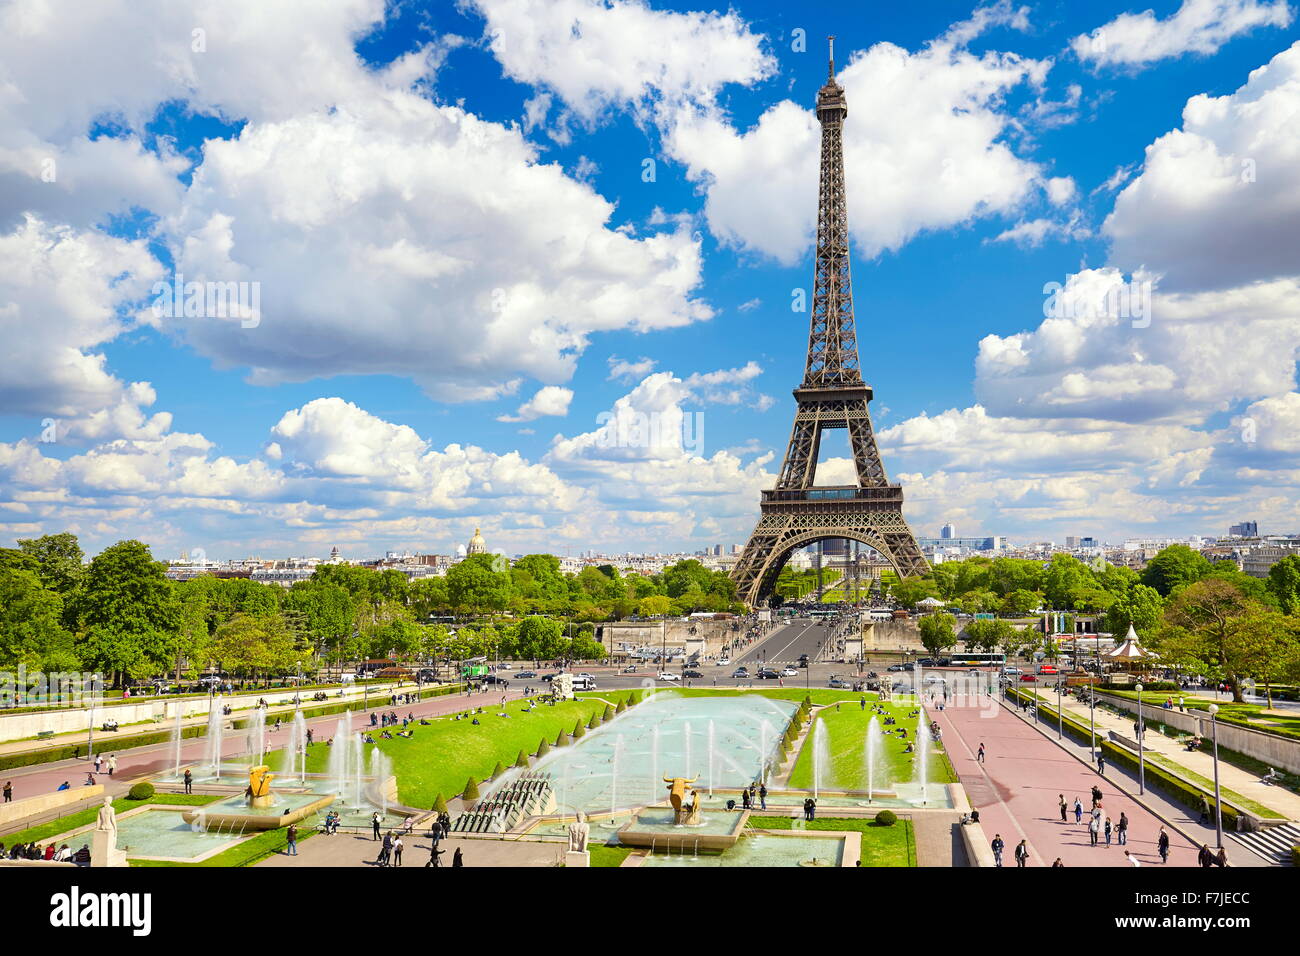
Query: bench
x=45, y=735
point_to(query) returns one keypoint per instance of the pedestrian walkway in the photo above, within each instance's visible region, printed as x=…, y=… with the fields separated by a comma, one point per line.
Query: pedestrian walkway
x=1016, y=790
x=1201, y=762
x=351, y=850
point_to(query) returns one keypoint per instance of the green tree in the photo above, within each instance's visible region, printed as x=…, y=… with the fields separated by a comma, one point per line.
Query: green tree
x=59, y=560
x=31, y=623
x=128, y=613
x=1141, y=606
x=1020, y=603
x=938, y=632
x=1284, y=583
x=478, y=584
x=1174, y=566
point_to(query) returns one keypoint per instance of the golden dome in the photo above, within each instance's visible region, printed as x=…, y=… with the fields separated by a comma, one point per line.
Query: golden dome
x=476, y=544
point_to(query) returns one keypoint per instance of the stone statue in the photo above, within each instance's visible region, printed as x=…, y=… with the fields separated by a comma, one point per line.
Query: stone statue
x=107, y=818
x=579, y=831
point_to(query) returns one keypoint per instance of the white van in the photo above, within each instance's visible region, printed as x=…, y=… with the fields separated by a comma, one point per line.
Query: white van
x=584, y=682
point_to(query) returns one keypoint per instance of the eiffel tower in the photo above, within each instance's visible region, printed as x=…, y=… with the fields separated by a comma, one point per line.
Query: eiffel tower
x=796, y=513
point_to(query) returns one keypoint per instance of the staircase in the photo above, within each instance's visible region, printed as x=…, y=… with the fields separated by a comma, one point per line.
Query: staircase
x=1272, y=843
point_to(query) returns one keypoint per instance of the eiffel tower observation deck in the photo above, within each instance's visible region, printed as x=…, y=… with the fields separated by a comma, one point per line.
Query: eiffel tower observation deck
x=797, y=513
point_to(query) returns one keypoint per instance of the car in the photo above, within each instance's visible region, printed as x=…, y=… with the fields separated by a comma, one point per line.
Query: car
x=503, y=667
x=1011, y=669
x=1047, y=669
x=927, y=662
x=1028, y=677
x=741, y=672
x=789, y=672
x=528, y=675
x=909, y=666
x=767, y=673
x=692, y=672
x=838, y=683
x=895, y=668
x=494, y=679
x=668, y=675
x=935, y=679
x=549, y=677
x=724, y=661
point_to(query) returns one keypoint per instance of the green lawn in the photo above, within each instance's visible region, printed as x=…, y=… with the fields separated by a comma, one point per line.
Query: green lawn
x=443, y=755
x=604, y=855
x=1249, y=715
x=881, y=846
x=846, y=731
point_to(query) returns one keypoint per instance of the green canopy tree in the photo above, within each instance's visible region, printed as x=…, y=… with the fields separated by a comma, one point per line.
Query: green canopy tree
x=938, y=632
x=1173, y=566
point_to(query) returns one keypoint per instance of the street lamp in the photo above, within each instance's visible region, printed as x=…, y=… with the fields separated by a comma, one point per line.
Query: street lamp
x=1218, y=807
x=1142, y=767
x=1060, y=718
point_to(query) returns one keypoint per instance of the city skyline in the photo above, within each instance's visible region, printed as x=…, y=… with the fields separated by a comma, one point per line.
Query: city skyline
x=385, y=382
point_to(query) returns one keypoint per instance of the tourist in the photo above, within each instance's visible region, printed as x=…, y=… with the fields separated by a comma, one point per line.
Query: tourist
x=996, y=846
x=1221, y=858
x=457, y=859
x=1057, y=863
x=397, y=850
x=9, y=791
x=374, y=825
x=1093, y=827
x=762, y=796
x=1064, y=807
x=82, y=856
x=1205, y=858
x=1162, y=844
x=112, y=764
x=1022, y=854
x=1122, y=829
x=292, y=837
x=1108, y=829
x=1132, y=860
x=65, y=785
x=189, y=781
x=99, y=762
x=90, y=782
x=1078, y=810
x=1101, y=764
x=979, y=757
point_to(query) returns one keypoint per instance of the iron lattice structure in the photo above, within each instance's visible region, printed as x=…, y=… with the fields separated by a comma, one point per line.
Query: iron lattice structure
x=797, y=513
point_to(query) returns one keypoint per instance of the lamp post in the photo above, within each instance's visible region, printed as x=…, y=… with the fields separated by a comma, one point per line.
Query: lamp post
x=1060, y=719
x=1142, y=767
x=1218, y=807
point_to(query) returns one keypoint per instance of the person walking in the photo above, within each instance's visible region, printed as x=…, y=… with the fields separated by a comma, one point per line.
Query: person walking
x=189, y=781
x=99, y=762
x=1205, y=858
x=112, y=764
x=1162, y=844
x=457, y=859
x=435, y=854
x=1057, y=863
x=1078, y=810
x=374, y=826
x=979, y=757
x=1108, y=829
x=292, y=837
x=1122, y=829
x=1092, y=830
x=1101, y=764
x=1064, y=807
x=762, y=796
x=9, y=791
x=1022, y=854
x=996, y=846
x=397, y=851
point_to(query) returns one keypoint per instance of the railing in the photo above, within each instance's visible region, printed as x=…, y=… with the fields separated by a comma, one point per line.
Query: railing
x=849, y=493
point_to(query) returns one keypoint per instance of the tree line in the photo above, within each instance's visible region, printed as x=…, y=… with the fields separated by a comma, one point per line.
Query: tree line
x=120, y=615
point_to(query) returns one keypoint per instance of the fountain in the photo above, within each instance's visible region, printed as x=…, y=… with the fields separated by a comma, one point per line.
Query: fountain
x=821, y=757
x=336, y=770
x=922, y=757
x=874, y=753
x=176, y=743
x=256, y=736
x=257, y=808
x=380, y=770
x=711, y=752
x=215, y=739
x=298, y=744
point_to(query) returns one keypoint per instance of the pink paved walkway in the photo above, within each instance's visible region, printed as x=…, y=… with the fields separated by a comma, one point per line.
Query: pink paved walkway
x=1016, y=789
x=146, y=761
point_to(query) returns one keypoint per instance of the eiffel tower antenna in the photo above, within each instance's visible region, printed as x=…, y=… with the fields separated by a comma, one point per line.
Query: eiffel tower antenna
x=797, y=513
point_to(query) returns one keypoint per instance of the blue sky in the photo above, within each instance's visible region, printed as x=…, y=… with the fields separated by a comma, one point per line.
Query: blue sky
x=464, y=272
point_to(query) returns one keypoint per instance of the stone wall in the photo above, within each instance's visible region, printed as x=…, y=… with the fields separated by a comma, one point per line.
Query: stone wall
x=18, y=810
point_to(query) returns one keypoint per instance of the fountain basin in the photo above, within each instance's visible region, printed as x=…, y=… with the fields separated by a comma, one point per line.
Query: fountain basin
x=767, y=848
x=654, y=827
x=236, y=813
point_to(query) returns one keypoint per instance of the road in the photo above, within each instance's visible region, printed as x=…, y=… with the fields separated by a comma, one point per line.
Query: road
x=785, y=644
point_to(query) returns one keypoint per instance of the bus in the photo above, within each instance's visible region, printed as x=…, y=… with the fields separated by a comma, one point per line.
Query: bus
x=820, y=615
x=974, y=659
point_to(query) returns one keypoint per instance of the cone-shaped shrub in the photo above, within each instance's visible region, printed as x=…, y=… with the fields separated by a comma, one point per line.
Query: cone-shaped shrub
x=543, y=748
x=622, y=706
x=608, y=714
x=440, y=804
x=522, y=760
x=578, y=730
x=471, y=790
x=498, y=770
x=595, y=719
x=561, y=739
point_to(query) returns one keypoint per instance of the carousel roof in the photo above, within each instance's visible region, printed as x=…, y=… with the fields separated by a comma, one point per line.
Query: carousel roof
x=1130, y=650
